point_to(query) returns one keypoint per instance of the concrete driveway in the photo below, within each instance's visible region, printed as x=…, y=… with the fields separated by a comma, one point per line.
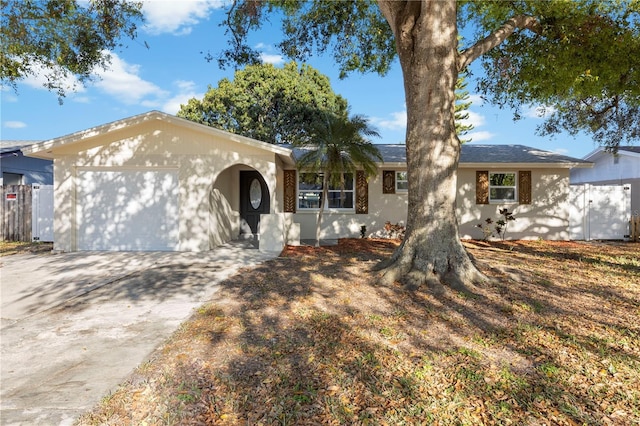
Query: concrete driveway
x=75, y=325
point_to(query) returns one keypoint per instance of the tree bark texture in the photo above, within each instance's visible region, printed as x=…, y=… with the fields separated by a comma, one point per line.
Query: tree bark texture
x=426, y=37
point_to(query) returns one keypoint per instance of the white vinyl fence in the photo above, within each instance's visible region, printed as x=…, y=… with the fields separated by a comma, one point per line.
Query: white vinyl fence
x=42, y=213
x=599, y=212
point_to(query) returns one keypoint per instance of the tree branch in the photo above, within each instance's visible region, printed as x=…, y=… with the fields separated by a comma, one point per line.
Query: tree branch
x=497, y=37
x=401, y=16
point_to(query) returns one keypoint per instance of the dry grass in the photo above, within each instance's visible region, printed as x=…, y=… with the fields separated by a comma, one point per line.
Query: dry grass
x=10, y=247
x=310, y=338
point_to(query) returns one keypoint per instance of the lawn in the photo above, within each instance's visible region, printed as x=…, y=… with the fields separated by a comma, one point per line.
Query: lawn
x=311, y=338
x=8, y=248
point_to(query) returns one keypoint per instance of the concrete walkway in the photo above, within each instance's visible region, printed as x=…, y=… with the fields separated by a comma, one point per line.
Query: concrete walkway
x=75, y=325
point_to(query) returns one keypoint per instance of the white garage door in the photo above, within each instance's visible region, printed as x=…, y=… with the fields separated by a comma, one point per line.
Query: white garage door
x=127, y=210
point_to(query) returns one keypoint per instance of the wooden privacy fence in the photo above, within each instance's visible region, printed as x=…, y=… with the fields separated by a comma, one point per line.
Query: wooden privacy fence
x=16, y=211
x=634, y=228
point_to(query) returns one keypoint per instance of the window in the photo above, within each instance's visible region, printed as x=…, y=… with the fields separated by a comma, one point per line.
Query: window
x=502, y=187
x=402, y=184
x=310, y=192
x=11, y=178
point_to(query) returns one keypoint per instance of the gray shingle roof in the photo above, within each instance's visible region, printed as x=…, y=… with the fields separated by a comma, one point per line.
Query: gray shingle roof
x=472, y=153
x=14, y=146
x=635, y=149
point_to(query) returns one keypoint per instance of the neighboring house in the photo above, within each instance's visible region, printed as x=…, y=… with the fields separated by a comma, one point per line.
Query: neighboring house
x=159, y=182
x=16, y=169
x=613, y=169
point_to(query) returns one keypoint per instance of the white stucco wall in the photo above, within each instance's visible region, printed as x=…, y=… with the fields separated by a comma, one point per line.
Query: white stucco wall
x=382, y=208
x=199, y=158
x=547, y=217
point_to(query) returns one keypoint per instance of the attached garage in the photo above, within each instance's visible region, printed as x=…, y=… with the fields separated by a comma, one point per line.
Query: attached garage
x=124, y=210
x=155, y=182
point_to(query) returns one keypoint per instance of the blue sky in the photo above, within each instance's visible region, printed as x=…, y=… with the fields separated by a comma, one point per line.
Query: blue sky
x=173, y=69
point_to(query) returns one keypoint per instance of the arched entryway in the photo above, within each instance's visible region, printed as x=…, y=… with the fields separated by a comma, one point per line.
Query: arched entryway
x=254, y=201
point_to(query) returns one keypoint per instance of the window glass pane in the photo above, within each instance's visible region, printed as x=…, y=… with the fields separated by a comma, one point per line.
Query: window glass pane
x=401, y=181
x=335, y=200
x=348, y=183
x=503, y=193
x=310, y=192
x=309, y=200
x=502, y=179
x=310, y=181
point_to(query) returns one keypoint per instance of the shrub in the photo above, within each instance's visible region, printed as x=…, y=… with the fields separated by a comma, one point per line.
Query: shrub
x=499, y=226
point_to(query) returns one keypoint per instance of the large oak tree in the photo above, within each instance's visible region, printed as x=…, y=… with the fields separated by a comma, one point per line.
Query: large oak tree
x=578, y=58
x=62, y=38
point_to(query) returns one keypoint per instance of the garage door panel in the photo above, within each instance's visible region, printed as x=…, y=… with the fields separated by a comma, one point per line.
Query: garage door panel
x=127, y=210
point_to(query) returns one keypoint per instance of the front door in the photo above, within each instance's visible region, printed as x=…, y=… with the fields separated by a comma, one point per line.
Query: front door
x=254, y=201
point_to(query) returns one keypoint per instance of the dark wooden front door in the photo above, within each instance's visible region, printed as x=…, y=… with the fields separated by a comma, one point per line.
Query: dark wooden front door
x=254, y=201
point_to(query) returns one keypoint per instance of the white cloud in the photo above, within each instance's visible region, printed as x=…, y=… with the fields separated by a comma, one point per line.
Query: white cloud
x=271, y=59
x=186, y=91
x=15, y=124
x=40, y=75
x=562, y=151
x=479, y=136
x=8, y=95
x=474, y=119
x=539, y=111
x=176, y=17
x=81, y=99
x=122, y=81
x=476, y=100
x=398, y=121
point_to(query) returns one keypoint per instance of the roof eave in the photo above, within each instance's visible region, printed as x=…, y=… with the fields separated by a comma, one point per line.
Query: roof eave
x=46, y=149
x=477, y=165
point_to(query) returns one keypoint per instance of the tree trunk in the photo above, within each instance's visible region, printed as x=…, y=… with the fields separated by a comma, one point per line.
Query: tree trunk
x=325, y=195
x=431, y=252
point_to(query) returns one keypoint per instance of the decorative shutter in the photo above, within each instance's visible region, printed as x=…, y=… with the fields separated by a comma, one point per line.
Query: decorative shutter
x=362, y=193
x=389, y=182
x=290, y=191
x=524, y=187
x=482, y=187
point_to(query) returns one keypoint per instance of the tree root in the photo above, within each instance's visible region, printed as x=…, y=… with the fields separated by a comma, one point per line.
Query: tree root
x=415, y=274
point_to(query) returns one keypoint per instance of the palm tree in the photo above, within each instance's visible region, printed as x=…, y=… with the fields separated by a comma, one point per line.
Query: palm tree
x=339, y=146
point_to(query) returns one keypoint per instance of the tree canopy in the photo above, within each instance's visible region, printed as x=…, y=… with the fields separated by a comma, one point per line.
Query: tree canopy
x=61, y=38
x=577, y=59
x=271, y=104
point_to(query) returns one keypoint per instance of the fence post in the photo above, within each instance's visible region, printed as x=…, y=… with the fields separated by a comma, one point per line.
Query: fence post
x=634, y=228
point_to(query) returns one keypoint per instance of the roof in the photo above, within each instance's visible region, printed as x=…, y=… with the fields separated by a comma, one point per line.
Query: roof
x=11, y=147
x=45, y=149
x=473, y=155
x=517, y=154
x=633, y=151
